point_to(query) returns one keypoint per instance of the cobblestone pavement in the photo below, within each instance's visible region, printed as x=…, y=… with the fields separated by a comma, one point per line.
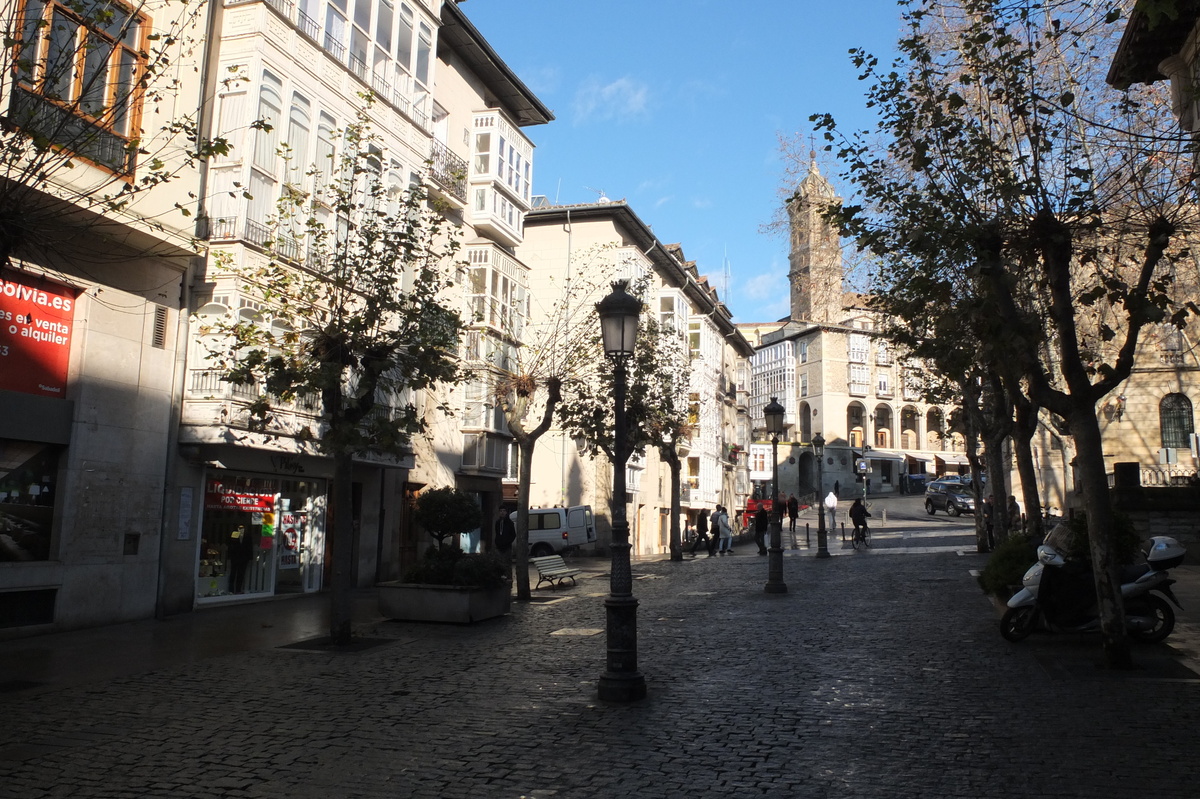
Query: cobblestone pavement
x=876, y=675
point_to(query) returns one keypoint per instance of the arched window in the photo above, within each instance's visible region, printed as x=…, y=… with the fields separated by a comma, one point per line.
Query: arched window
x=1175, y=420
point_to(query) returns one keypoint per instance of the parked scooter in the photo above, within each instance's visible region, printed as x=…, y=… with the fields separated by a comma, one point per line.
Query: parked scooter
x=1058, y=594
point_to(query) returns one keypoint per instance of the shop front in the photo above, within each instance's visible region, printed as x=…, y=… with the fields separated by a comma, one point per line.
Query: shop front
x=260, y=535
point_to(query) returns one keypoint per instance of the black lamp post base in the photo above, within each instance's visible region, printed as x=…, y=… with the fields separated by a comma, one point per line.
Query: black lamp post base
x=622, y=687
x=775, y=583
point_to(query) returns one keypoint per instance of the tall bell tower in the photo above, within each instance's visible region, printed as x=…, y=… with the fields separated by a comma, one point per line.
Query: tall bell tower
x=815, y=256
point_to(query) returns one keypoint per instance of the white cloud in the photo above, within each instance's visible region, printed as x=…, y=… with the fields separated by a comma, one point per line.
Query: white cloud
x=661, y=201
x=762, y=286
x=619, y=100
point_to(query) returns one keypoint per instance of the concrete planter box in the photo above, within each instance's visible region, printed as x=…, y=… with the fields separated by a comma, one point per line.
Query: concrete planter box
x=444, y=603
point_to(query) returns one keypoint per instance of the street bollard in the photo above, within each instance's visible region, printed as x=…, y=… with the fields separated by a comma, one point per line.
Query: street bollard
x=884, y=523
x=807, y=542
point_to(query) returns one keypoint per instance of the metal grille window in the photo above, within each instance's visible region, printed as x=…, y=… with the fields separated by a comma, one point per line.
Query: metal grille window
x=158, y=337
x=1175, y=420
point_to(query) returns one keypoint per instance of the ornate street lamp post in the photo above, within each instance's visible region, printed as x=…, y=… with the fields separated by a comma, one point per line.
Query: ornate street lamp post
x=621, y=682
x=818, y=445
x=773, y=413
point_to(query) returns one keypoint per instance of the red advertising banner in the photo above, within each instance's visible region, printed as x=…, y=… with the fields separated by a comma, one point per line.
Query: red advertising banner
x=36, y=317
x=218, y=496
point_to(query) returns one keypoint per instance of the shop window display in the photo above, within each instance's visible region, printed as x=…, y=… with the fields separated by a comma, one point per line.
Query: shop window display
x=260, y=535
x=28, y=474
x=237, y=545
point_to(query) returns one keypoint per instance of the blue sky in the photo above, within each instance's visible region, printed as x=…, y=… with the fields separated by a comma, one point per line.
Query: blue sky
x=677, y=106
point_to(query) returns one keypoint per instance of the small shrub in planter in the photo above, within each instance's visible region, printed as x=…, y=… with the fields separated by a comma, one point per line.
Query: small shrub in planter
x=455, y=567
x=447, y=512
x=1008, y=564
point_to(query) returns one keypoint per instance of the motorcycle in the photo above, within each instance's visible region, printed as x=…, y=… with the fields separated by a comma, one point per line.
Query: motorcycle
x=1058, y=594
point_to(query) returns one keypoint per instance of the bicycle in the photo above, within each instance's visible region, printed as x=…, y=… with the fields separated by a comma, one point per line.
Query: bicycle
x=862, y=535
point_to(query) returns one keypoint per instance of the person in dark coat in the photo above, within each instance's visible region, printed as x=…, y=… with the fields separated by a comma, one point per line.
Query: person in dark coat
x=506, y=532
x=793, y=509
x=702, y=533
x=760, y=529
x=858, y=515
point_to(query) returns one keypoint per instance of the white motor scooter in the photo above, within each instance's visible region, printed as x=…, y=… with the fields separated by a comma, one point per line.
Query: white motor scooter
x=1059, y=594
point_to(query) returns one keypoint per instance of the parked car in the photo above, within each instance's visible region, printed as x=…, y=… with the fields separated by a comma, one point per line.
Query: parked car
x=952, y=496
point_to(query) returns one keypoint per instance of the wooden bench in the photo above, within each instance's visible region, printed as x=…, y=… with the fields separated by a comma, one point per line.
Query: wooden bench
x=553, y=569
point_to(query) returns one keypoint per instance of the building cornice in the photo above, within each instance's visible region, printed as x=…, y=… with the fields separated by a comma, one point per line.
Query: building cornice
x=510, y=93
x=665, y=257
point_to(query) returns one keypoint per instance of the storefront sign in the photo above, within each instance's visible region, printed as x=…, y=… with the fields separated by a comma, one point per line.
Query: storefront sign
x=35, y=335
x=290, y=525
x=218, y=496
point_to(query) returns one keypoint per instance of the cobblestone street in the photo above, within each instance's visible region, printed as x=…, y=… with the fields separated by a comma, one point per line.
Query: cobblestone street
x=875, y=675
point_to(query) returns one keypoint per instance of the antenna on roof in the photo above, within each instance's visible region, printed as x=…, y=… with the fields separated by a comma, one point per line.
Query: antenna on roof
x=725, y=277
x=602, y=199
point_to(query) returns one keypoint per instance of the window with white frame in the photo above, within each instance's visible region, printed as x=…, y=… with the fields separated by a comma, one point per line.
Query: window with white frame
x=860, y=378
x=858, y=347
x=496, y=292
x=666, y=311
x=804, y=384
x=802, y=351
x=883, y=382
x=297, y=140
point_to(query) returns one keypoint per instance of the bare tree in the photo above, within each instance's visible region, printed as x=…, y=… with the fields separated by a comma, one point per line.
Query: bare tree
x=1008, y=160
x=528, y=371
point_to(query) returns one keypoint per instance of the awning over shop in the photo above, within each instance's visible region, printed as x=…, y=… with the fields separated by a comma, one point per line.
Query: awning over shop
x=957, y=460
x=884, y=455
x=918, y=458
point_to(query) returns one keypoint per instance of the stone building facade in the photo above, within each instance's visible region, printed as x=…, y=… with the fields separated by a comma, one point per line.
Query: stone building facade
x=836, y=375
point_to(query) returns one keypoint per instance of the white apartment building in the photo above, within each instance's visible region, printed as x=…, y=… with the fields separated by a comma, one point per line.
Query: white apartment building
x=558, y=240
x=449, y=114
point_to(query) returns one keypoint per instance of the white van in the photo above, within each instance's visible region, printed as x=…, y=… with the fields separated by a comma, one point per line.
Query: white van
x=552, y=531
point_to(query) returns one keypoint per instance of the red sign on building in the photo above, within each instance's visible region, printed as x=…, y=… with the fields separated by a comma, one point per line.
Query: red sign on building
x=218, y=496
x=36, y=318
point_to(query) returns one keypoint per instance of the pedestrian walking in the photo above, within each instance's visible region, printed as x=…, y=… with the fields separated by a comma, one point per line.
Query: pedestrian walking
x=725, y=530
x=793, y=509
x=702, y=533
x=989, y=520
x=831, y=502
x=504, y=536
x=506, y=532
x=837, y=488
x=1014, y=515
x=760, y=529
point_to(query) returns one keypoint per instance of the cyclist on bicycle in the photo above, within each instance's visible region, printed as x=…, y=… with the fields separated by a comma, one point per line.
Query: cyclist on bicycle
x=858, y=515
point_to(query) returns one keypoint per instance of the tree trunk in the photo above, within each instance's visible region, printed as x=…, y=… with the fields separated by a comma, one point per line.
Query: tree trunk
x=1089, y=461
x=993, y=454
x=1053, y=240
x=1023, y=429
x=521, y=545
x=341, y=590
